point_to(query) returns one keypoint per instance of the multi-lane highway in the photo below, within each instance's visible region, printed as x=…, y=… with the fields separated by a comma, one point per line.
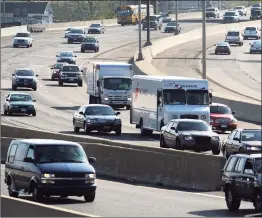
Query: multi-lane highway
x=56, y=105
x=116, y=199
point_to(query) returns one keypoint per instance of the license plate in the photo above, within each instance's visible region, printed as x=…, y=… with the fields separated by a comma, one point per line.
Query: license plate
x=23, y=110
x=25, y=84
x=71, y=79
x=223, y=126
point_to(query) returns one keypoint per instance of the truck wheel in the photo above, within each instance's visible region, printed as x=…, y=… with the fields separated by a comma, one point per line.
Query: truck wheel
x=232, y=202
x=90, y=197
x=80, y=84
x=258, y=203
x=60, y=83
x=10, y=187
x=36, y=194
x=128, y=107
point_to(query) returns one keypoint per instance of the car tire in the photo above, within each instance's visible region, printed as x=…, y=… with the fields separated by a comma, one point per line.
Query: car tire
x=76, y=129
x=216, y=52
x=179, y=146
x=36, y=194
x=5, y=112
x=229, y=53
x=232, y=202
x=60, y=83
x=34, y=114
x=14, y=87
x=82, y=51
x=216, y=151
x=10, y=187
x=119, y=131
x=28, y=46
x=35, y=88
x=9, y=113
x=31, y=45
x=162, y=142
x=80, y=84
x=258, y=203
x=128, y=107
x=86, y=130
x=90, y=197
x=251, y=52
x=225, y=154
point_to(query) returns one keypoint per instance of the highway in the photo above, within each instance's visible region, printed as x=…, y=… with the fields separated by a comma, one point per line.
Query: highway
x=116, y=199
x=55, y=105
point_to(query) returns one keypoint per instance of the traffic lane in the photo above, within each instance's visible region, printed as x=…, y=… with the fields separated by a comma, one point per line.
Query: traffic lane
x=241, y=67
x=56, y=105
x=185, y=60
x=118, y=199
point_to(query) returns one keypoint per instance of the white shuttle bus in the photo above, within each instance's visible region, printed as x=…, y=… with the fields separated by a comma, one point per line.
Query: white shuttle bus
x=158, y=99
x=110, y=83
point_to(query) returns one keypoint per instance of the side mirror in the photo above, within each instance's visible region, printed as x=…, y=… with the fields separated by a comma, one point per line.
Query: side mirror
x=233, y=112
x=117, y=113
x=82, y=71
x=98, y=83
x=91, y=160
x=158, y=102
x=56, y=55
x=29, y=160
x=81, y=112
x=173, y=128
x=248, y=171
x=7, y=99
x=13, y=74
x=51, y=68
x=36, y=75
x=34, y=100
x=75, y=56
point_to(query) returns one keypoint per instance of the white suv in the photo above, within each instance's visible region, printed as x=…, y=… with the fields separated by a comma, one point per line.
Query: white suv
x=252, y=32
x=241, y=10
x=234, y=37
x=23, y=39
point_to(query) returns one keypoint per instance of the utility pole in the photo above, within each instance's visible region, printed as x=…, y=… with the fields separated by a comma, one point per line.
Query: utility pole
x=148, y=23
x=140, y=55
x=204, y=39
x=176, y=32
x=4, y=11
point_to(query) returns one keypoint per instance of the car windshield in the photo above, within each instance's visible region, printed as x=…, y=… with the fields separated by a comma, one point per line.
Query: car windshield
x=22, y=35
x=24, y=73
x=96, y=110
x=117, y=83
x=222, y=45
x=210, y=9
x=233, y=34
x=251, y=135
x=89, y=40
x=71, y=69
x=164, y=15
x=220, y=110
x=258, y=165
x=95, y=25
x=171, y=24
x=197, y=97
x=174, y=96
x=77, y=31
x=251, y=29
x=230, y=14
x=60, y=153
x=238, y=8
x=69, y=29
x=192, y=126
x=66, y=54
x=153, y=18
x=20, y=97
x=58, y=66
x=124, y=12
x=256, y=5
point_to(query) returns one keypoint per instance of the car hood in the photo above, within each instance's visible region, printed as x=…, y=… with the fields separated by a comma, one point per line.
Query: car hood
x=65, y=168
x=198, y=133
x=65, y=57
x=253, y=143
x=88, y=43
x=16, y=103
x=101, y=117
x=230, y=116
x=71, y=72
x=95, y=28
x=21, y=38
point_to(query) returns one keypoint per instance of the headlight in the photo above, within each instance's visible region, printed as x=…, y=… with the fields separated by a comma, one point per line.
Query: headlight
x=234, y=121
x=215, y=138
x=31, y=106
x=174, y=117
x=90, y=176
x=129, y=99
x=91, y=121
x=203, y=117
x=79, y=75
x=253, y=148
x=188, y=137
x=117, y=121
x=16, y=79
x=62, y=75
x=47, y=175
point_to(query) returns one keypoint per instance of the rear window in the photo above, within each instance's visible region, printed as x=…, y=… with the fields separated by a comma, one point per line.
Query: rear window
x=71, y=69
x=211, y=9
x=22, y=35
x=251, y=28
x=233, y=33
x=230, y=14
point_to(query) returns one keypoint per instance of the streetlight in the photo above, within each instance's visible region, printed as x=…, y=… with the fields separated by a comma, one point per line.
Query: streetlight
x=148, y=23
x=204, y=39
x=176, y=32
x=140, y=55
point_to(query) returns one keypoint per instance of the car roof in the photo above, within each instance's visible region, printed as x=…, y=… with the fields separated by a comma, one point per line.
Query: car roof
x=71, y=65
x=252, y=155
x=47, y=142
x=233, y=30
x=94, y=105
x=222, y=44
x=19, y=93
x=66, y=52
x=218, y=104
x=23, y=32
x=23, y=68
x=188, y=120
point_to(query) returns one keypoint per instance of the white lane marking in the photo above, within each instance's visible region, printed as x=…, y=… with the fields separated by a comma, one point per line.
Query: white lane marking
x=50, y=207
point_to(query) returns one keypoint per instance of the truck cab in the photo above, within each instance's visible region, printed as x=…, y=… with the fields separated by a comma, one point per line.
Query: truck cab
x=110, y=84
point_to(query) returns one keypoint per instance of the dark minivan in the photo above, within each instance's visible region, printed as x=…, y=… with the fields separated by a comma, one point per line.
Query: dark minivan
x=46, y=167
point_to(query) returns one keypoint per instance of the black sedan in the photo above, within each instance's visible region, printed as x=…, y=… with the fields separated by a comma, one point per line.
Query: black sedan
x=241, y=141
x=223, y=48
x=19, y=103
x=189, y=134
x=101, y=118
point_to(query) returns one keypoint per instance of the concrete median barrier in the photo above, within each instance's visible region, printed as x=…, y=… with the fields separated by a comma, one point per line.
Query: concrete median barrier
x=16, y=207
x=145, y=67
x=169, y=168
x=11, y=31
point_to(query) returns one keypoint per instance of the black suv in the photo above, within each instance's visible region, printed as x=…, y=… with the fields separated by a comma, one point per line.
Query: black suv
x=45, y=167
x=242, y=180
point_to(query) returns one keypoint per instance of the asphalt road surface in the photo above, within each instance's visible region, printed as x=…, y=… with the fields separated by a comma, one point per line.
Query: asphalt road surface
x=55, y=105
x=116, y=199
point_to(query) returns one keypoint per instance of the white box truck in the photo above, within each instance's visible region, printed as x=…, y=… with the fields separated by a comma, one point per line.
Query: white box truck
x=158, y=99
x=110, y=83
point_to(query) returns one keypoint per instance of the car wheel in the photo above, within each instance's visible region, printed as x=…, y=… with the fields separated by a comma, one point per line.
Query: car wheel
x=82, y=50
x=28, y=46
x=90, y=197
x=14, y=87
x=11, y=187
x=76, y=129
x=162, y=142
x=86, y=129
x=31, y=45
x=119, y=131
x=35, y=88
x=60, y=83
x=216, y=52
x=225, y=154
x=251, y=52
x=232, y=202
x=80, y=84
x=5, y=112
x=36, y=194
x=258, y=203
x=229, y=53
x=216, y=151
x=179, y=146
x=9, y=113
x=52, y=78
x=34, y=114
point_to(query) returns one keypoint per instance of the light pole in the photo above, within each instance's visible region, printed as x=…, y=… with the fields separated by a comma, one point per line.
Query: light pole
x=148, y=23
x=140, y=55
x=204, y=39
x=176, y=32
x=3, y=11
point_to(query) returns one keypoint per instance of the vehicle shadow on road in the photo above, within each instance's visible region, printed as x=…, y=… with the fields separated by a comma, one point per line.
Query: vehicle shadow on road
x=48, y=80
x=225, y=213
x=72, y=108
x=57, y=85
x=6, y=89
x=56, y=200
x=16, y=115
